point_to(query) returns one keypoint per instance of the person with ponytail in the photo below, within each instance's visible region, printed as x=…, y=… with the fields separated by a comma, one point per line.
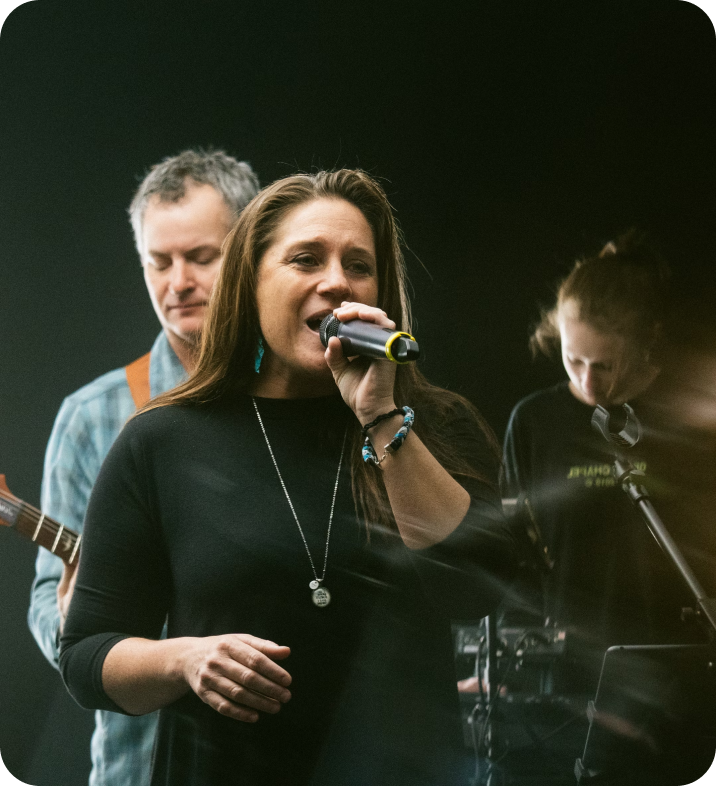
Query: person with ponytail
x=307, y=524
x=610, y=583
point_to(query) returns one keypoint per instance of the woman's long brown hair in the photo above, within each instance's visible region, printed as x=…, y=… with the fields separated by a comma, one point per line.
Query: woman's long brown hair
x=230, y=334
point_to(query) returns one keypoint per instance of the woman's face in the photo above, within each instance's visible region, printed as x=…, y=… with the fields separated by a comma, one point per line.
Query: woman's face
x=323, y=253
x=603, y=368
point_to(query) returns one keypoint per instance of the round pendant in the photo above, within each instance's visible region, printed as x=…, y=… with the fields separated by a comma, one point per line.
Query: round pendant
x=321, y=597
x=314, y=584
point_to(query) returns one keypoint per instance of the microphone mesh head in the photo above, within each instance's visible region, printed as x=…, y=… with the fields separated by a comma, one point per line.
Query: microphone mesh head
x=328, y=328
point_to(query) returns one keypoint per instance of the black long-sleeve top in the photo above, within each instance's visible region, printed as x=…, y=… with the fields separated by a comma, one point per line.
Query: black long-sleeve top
x=611, y=583
x=188, y=522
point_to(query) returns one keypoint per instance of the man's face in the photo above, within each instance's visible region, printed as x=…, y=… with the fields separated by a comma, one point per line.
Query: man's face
x=181, y=256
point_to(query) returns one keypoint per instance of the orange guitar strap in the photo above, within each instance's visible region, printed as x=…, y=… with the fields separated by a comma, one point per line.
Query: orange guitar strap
x=138, y=380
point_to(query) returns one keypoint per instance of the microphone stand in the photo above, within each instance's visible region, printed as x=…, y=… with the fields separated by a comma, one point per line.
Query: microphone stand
x=630, y=480
x=628, y=477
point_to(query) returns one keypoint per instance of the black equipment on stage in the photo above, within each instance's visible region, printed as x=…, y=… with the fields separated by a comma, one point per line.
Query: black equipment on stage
x=513, y=707
x=653, y=719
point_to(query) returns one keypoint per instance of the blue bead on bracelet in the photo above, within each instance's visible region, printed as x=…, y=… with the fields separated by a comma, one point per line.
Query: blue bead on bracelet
x=368, y=452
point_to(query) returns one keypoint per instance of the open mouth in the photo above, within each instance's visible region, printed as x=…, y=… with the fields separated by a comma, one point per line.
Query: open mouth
x=314, y=322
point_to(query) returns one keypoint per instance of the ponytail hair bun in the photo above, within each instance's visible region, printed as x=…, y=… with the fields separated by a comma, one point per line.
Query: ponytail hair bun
x=623, y=289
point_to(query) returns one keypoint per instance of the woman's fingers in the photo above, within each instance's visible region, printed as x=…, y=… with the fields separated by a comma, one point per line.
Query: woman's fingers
x=364, y=384
x=348, y=311
x=258, y=655
x=217, y=690
x=335, y=358
x=270, y=648
x=237, y=676
x=227, y=707
x=251, y=680
x=245, y=697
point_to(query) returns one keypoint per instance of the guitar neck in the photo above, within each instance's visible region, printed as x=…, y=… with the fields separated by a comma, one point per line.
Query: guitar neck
x=39, y=528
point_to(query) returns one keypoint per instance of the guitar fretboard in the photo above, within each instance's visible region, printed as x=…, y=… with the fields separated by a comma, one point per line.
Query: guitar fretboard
x=39, y=528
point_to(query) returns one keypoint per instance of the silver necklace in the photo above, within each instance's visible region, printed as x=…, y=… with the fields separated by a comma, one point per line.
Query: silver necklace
x=320, y=595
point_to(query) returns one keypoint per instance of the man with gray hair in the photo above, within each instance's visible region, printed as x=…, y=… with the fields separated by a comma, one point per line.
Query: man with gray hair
x=181, y=213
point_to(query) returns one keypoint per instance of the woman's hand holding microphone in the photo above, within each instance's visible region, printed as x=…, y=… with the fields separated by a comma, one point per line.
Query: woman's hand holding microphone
x=366, y=385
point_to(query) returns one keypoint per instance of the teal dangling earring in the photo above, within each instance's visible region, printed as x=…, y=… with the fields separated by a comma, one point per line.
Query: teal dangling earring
x=259, y=355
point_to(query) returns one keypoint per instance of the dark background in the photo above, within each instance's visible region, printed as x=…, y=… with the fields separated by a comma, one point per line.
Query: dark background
x=512, y=137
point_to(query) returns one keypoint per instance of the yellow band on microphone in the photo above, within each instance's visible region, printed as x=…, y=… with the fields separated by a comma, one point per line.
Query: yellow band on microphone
x=389, y=344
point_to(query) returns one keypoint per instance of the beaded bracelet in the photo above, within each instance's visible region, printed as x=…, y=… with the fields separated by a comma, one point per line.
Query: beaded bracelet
x=368, y=452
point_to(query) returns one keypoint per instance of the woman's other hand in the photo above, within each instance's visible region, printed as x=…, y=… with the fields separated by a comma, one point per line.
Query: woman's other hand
x=366, y=385
x=237, y=675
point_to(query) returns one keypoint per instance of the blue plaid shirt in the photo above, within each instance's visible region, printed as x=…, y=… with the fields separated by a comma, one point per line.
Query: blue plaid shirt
x=86, y=426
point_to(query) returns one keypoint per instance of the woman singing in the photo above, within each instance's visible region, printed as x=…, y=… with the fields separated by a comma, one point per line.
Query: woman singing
x=308, y=575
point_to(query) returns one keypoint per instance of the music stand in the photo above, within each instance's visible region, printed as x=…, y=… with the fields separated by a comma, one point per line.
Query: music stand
x=652, y=719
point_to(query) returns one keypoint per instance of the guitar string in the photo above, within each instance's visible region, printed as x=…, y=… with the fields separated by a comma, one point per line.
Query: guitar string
x=35, y=515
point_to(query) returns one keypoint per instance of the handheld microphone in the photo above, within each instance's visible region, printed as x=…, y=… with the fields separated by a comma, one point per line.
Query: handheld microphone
x=364, y=338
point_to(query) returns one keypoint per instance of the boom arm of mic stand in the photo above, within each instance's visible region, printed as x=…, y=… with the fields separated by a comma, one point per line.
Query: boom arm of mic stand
x=626, y=475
